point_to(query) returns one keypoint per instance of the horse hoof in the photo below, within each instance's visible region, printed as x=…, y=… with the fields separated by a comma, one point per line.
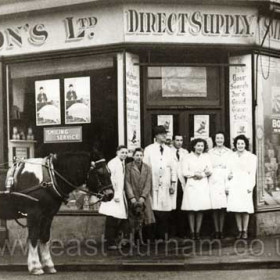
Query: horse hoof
x=50, y=270
x=37, y=271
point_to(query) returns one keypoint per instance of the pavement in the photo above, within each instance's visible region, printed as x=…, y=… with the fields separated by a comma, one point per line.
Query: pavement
x=174, y=254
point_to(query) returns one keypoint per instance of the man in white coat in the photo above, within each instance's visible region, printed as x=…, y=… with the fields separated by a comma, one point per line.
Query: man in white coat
x=159, y=157
x=177, y=217
x=115, y=210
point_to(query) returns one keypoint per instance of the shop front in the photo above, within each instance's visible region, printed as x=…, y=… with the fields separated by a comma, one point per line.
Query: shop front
x=95, y=75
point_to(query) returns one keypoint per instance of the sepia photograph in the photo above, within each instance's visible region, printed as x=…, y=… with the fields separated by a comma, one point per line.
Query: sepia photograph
x=140, y=139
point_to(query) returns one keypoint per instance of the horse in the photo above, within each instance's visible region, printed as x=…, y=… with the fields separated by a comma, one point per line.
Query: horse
x=39, y=199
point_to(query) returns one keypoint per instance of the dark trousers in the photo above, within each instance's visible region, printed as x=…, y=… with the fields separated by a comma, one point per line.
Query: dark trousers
x=113, y=226
x=178, y=218
x=162, y=224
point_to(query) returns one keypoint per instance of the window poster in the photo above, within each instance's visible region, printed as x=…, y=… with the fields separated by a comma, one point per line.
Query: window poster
x=77, y=100
x=47, y=94
x=240, y=90
x=133, y=102
x=167, y=122
x=201, y=126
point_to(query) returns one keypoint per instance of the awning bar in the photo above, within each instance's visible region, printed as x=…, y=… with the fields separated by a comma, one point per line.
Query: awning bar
x=191, y=64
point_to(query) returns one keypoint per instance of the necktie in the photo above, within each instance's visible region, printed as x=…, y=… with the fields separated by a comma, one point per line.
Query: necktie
x=123, y=166
x=178, y=154
x=161, y=149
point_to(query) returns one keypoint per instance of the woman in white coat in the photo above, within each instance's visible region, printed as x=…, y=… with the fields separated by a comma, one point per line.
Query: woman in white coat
x=219, y=156
x=116, y=209
x=242, y=167
x=196, y=167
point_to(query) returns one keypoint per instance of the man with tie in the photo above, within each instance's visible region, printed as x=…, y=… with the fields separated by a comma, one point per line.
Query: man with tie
x=177, y=217
x=159, y=157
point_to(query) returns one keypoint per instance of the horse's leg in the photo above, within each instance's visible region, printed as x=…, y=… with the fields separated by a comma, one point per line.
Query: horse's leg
x=46, y=258
x=33, y=261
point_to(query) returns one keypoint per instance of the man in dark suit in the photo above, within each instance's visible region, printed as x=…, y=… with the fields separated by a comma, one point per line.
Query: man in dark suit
x=42, y=97
x=71, y=94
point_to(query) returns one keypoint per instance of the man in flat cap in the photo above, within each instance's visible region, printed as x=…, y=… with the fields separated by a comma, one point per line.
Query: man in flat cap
x=159, y=157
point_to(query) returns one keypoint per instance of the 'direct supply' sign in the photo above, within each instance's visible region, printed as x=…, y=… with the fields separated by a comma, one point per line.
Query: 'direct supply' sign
x=63, y=134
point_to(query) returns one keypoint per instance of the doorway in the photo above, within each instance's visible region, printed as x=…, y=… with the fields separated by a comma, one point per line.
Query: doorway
x=187, y=123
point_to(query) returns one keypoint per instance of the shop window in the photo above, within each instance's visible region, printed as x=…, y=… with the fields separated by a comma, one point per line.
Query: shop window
x=183, y=85
x=77, y=94
x=268, y=131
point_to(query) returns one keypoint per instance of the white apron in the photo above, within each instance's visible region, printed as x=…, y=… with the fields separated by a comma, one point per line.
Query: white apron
x=196, y=195
x=243, y=170
x=218, y=179
x=113, y=208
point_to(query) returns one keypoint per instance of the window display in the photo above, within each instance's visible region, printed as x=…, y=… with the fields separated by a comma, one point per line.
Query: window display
x=45, y=104
x=268, y=131
x=183, y=85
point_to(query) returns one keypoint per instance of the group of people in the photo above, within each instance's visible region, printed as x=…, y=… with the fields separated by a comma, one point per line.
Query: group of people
x=173, y=183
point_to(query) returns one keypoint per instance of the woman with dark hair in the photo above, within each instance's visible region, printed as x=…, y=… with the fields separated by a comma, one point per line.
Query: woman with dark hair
x=196, y=167
x=219, y=156
x=242, y=167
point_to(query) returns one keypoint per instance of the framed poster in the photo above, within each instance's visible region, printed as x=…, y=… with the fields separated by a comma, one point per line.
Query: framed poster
x=184, y=82
x=77, y=100
x=201, y=126
x=47, y=100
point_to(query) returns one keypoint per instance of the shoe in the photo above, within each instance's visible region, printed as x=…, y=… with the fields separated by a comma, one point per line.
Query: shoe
x=244, y=235
x=197, y=236
x=222, y=235
x=239, y=235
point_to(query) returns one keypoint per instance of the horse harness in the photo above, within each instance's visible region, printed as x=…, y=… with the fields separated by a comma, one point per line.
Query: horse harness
x=49, y=182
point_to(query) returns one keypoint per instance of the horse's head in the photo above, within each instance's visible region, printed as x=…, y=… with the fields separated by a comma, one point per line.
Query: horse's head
x=99, y=178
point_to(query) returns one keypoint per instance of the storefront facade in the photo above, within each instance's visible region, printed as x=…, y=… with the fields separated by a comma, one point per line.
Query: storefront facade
x=92, y=74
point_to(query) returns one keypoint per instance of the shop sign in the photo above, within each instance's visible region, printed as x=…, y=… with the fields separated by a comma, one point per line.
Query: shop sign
x=275, y=123
x=60, y=30
x=63, y=134
x=275, y=105
x=133, y=102
x=194, y=22
x=240, y=89
x=199, y=24
x=136, y=23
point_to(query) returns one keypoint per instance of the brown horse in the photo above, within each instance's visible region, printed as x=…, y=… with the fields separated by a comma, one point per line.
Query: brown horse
x=39, y=195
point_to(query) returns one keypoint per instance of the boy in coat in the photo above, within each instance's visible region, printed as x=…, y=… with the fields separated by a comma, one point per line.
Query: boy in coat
x=138, y=185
